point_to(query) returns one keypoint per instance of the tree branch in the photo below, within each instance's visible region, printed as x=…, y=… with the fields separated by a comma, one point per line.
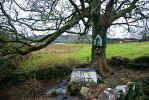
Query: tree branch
x=78, y=11
x=82, y=4
x=51, y=37
x=126, y=10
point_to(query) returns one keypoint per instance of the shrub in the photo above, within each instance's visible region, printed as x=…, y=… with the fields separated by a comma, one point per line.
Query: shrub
x=52, y=72
x=142, y=60
x=118, y=60
x=73, y=88
x=5, y=72
x=53, y=94
x=8, y=75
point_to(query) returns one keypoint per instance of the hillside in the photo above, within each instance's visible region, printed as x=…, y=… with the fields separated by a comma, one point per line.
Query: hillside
x=85, y=39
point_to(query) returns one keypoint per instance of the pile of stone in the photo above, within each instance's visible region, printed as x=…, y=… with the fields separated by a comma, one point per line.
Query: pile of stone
x=85, y=84
x=103, y=93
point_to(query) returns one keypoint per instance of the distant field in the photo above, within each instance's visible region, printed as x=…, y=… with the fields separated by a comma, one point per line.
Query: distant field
x=66, y=53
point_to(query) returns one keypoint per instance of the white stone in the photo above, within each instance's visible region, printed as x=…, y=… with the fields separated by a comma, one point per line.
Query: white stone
x=123, y=88
x=84, y=75
x=84, y=91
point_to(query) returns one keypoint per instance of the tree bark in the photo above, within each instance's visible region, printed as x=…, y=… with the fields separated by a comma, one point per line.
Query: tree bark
x=99, y=61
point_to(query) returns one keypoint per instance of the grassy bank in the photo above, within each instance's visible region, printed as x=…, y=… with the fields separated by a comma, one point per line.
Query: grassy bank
x=129, y=50
x=70, y=54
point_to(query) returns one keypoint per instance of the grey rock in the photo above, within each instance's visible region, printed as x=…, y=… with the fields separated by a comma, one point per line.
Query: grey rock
x=58, y=91
x=61, y=97
x=107, y=94
x=113, y=94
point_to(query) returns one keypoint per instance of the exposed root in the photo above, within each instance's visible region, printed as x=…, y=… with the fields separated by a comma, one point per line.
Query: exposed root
x=100, y=64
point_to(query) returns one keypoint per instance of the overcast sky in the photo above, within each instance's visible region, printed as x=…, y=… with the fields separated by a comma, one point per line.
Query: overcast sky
x=114, y=31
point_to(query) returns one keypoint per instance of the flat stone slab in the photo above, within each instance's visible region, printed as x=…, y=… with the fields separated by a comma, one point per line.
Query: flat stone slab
x=84, y=69
x=86, y=75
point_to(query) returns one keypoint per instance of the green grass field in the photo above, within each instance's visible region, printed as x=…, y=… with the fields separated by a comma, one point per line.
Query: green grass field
x=71, y=53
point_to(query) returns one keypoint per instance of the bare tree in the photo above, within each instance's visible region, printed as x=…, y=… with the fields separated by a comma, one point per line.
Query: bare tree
x=26, y=18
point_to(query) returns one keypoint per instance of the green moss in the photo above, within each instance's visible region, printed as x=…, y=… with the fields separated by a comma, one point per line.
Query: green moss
x=53, y=94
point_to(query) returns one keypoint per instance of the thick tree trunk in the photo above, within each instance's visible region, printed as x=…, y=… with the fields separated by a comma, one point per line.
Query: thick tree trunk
x=99, y=61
